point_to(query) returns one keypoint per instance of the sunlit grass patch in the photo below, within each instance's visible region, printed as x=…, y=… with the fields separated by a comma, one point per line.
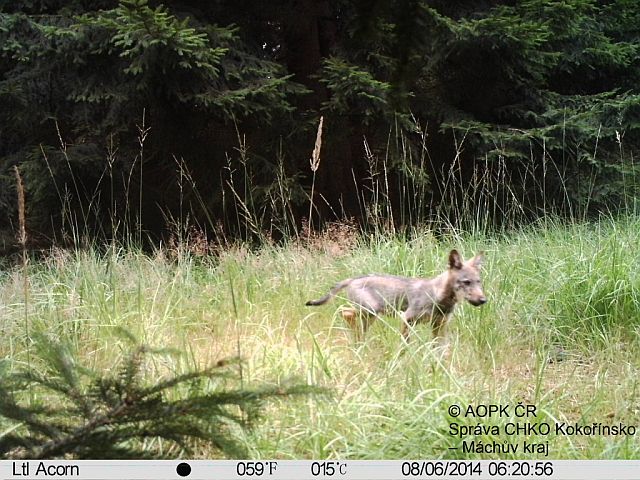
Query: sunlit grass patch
x=560, y=331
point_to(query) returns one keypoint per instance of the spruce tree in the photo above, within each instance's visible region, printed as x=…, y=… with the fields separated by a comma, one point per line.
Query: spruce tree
x=59, y=408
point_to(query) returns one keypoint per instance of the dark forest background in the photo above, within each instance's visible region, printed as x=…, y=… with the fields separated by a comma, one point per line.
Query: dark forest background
x=206, y=113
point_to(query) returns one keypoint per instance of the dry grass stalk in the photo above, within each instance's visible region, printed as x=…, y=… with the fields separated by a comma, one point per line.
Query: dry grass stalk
x=22, y=230
x=22, y=239
x=314, y=162
x=315, y=156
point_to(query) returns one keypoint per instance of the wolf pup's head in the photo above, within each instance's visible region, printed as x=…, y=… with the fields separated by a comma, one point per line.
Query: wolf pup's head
x=466, y=278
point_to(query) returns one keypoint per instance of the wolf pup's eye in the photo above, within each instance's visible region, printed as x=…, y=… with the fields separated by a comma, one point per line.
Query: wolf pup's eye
x=466, y=282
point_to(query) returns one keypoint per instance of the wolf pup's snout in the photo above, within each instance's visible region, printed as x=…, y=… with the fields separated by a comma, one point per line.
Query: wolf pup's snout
x=478, y=302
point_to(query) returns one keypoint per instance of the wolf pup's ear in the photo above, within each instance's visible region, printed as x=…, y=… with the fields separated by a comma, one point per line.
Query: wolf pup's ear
x=455, y=260
x=478, y=260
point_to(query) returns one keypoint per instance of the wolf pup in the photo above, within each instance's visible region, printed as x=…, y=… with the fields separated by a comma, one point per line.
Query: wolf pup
x=422, y=300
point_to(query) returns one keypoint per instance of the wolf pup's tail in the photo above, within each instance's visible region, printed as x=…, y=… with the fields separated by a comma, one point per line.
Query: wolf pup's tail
x=330, y=295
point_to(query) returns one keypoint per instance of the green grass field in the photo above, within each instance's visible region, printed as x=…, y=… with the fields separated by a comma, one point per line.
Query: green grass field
x=561, y=331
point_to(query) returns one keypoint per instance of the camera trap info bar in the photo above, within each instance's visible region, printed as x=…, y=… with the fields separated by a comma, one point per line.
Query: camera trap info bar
x=318, y=469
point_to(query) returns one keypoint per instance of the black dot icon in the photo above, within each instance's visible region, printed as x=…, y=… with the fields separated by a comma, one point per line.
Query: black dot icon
x=183, y=469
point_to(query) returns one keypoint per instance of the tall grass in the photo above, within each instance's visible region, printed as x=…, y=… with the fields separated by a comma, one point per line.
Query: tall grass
x=559, y=332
